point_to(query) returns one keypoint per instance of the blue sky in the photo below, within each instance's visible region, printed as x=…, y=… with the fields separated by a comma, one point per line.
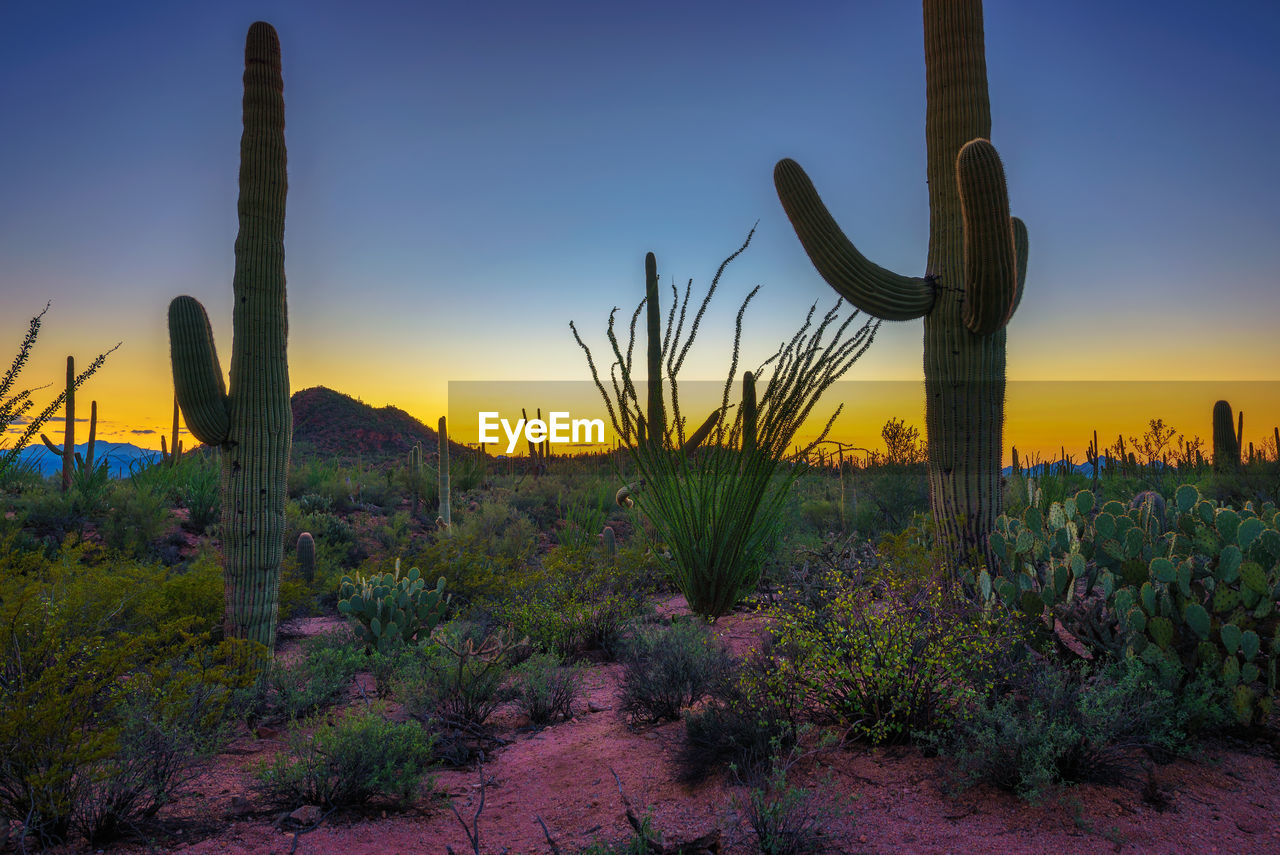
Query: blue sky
x=465, y=179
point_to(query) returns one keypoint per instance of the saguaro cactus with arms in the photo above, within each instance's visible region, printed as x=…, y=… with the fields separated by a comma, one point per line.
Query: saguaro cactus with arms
x=251, y=422
x=973, y=278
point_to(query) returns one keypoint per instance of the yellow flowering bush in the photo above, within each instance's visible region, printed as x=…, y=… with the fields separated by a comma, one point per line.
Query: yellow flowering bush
x=889, y=661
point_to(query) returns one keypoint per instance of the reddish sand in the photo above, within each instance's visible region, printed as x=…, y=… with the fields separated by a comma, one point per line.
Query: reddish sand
x=1225, y=800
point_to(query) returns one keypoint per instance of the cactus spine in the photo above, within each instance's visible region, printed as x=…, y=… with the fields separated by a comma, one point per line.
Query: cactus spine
x=252, y=424
x=445, y=520
x=307, y=557
x=1226, y=441
x=973, y=280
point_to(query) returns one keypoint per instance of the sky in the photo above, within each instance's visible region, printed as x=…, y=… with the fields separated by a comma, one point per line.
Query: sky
x=464, y=179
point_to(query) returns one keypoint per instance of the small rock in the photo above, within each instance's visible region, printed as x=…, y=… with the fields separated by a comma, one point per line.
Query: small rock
x=306, y=815
x=1251, y=825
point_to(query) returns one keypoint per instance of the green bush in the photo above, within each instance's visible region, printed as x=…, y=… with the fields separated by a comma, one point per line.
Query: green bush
x=459, y=683
x=361, y=757
x=99, y=725
x=1057, y=724
x=319, y=678
x=785, y=819
x=201, y=494
x=578, y=604
x=139, y=516
x=545, y=689
x=487, y=555
x=746, y=722
x=670, y=668
x=888, y=662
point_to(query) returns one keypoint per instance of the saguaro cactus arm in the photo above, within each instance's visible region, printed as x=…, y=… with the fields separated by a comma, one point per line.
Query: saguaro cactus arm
x=991, y=263
x=867, y=285
x=197, y=374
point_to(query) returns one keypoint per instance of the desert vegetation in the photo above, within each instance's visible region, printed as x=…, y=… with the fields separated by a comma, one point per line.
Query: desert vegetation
x=326, y=619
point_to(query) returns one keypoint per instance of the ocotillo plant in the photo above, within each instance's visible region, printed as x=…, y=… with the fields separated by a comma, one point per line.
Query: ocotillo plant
x=973, y=278
x=168, y=456
x=717, y=511
x=445, y=519
x=15, y=405
x=252, y=422
x=1226, y=439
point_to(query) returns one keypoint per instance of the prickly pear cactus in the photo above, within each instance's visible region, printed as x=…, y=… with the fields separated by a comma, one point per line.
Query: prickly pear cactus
x=974, y=273
x=390, y=609
x=1199, y=596
x=252, y=422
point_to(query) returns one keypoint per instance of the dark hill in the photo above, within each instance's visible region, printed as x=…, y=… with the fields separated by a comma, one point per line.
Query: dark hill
x=333, y=424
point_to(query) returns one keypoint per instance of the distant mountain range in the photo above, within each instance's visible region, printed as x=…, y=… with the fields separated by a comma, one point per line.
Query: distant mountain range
x=119, y=456
x=325, y=423
x=1085, y=468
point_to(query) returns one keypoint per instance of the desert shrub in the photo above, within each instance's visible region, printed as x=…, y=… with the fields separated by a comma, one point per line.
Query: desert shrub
x=319, y=678
x=201, y=494
x=139, y=516
x=453, y=684
x=785, y=819
x=314, y=503
x=99, y=725
x=49, y=516
x=393, y=535
x=360, y=757
x=746, y=722
x=887, y=497
x=1058, y=724
x=165, y=724
x=889, y=661
x=486, y=555
x=669, y=668
x=52, y=685
x=545, y=689
x=582, y=525
x=821, y=515
x=579, y=604
x=459, y=682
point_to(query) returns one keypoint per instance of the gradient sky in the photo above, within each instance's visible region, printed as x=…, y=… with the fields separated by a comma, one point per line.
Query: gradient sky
x=466, y=178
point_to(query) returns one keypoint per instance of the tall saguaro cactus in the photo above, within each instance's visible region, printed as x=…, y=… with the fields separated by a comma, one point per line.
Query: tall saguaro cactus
x=973, y=280
x=251, y=421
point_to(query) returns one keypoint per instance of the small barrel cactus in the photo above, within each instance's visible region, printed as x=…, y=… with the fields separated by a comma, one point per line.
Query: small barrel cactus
x=307, y=557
